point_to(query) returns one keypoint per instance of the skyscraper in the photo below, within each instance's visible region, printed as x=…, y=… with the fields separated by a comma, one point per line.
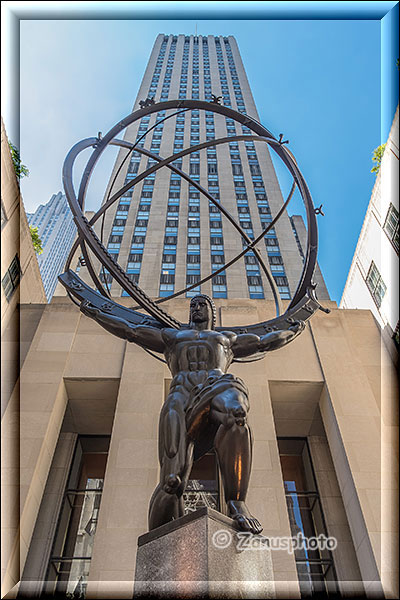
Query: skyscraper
x=164, y=234
x=56, y=230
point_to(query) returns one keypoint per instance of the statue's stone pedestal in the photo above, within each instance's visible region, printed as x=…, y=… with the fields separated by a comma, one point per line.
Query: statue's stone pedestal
x=198, y=556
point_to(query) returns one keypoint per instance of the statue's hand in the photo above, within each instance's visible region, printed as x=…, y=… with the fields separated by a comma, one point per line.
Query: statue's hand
x=89, y=310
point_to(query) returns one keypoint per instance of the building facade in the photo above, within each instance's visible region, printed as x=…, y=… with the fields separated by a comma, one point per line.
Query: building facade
x=56, y=229
x=373, y=279
x=162, y=233
x=20, y=276
x=322, y=409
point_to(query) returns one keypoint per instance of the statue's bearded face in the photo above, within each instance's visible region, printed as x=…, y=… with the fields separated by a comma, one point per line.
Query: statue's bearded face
x=200, y=311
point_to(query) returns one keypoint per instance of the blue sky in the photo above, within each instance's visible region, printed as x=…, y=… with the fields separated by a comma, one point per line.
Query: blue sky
x=318, y=82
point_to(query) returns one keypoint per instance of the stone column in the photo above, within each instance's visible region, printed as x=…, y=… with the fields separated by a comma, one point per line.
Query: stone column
x=348, y=345
x=131, y=475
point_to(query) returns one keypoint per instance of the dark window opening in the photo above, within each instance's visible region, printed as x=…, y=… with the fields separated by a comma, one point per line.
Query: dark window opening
x=391, y=226
x=69, y=564
x=315, y=567
x=11, y=278
x=250, y=260
x=219, y=280
x=203, y=487
x=170, y=240
x=375, y=284
x=167, y=278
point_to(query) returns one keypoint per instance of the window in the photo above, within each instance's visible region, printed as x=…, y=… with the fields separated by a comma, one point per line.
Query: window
x=12, y=277
x=135, y=257
x=73, y=544
x=167, y=278
x=105, y=277
x=133, y=167
x=193, y=223
x=250, y=260
x=375, y=284
x=203, y=485
x=254, y=280
x=134, y=277
x=281, y=281
x=275, y=260
x=255, y=170
x=170, y=239
x=396, y=335
x=138, y=239
x=172, y=223
x=141, y=223
x=391, y=226
x=314, y=567
x=194, y=169
x=218, y=259
x=219, y=280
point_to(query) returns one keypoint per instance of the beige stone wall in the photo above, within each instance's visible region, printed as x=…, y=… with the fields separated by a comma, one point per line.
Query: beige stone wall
x=77, y=373
x=349, y=348
x=15, y=240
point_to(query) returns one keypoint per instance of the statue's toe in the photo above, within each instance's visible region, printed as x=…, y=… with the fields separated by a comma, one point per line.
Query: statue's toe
x=256, y=526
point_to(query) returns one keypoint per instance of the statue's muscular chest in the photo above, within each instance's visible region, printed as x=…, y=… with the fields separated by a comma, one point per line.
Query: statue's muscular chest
x=198, y=350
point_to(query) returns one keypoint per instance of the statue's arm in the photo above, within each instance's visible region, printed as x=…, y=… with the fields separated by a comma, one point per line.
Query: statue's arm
x=247, y=344
x=144, y=335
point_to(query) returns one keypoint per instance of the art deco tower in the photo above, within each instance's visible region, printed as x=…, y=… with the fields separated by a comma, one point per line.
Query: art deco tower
x=164, y=234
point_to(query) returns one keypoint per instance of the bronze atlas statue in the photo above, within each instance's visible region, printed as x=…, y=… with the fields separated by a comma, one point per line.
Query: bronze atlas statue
x=206, y=406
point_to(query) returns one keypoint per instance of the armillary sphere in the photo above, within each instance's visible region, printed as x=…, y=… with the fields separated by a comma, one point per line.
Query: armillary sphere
x=304, y=302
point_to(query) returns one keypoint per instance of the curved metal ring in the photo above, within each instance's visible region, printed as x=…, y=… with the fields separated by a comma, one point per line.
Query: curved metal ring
x=304, y=288
x=282, y=151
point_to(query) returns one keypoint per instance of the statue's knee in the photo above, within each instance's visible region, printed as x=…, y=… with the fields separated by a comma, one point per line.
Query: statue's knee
x=237, y=415
x=172, y=483
x=240, y=415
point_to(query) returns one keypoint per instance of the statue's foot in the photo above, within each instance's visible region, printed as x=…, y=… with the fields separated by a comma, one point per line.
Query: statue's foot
x=172, y=483
x=238, y=511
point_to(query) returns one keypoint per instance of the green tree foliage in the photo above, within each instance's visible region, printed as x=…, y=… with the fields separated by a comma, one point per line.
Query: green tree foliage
x=377, y=158
x=20, y=169
x=37, y=242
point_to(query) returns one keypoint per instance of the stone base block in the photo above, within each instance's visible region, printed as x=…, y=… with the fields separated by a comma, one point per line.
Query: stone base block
x=200, y=556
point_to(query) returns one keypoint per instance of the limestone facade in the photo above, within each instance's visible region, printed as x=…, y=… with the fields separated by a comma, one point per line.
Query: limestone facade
x=332, y=386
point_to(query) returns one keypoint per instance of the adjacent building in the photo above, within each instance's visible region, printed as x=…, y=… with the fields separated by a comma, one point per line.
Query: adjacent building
x=323, y=409
x=373, y=279
x=56, y=229
x=20, y=276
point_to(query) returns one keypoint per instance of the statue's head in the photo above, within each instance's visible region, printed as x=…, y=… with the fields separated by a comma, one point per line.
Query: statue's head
x=202, y=309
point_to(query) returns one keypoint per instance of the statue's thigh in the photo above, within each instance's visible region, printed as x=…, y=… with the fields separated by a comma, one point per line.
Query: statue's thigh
x=230, y=400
